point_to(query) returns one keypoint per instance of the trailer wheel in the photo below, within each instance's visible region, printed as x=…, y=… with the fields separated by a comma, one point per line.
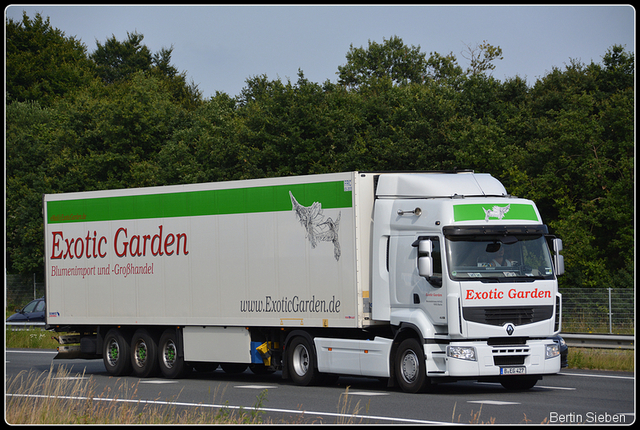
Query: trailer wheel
x=115, y=353
x=170, y=358
x=302, y=362
x=144, y=354
x=410, y=366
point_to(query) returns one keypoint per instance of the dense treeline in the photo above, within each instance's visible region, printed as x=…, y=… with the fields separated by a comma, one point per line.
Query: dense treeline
x=123, y=116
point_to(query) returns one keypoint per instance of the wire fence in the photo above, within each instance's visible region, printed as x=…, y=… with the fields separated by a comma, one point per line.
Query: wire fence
x=598, y=310
x=20, y=290
x=584, y=310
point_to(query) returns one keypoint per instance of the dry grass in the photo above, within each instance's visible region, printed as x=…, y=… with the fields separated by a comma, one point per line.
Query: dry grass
x=58, y=398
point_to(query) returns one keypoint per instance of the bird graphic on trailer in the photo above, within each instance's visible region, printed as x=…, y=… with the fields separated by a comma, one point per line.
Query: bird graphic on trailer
x=318, y=229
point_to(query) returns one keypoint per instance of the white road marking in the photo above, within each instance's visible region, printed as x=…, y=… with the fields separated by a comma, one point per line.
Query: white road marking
x=256, y=387
x=205, y=405
x=366, y=393
x=71, y=378
x=597, y=376
x=493, y=402
x=555, y=388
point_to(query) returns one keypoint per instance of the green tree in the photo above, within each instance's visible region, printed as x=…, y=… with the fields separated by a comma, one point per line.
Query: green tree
x=481, y=57
x=579, y=169
x=43, y=64
x=391, y=59
x=28, y=153
x=444, y=69
x=116, y=61
x=119, y=60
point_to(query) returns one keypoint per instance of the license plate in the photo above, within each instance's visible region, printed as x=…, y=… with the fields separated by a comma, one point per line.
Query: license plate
x=512, y=370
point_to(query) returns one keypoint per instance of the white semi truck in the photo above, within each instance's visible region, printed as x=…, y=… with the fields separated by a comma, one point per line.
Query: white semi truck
x=418, y=277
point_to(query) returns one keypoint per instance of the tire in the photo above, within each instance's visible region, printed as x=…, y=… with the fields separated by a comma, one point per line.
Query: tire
x=170, y=357
x=144, y=354
x=301, y=360
x=115, y=353
x=518, y=383
x=411, y=367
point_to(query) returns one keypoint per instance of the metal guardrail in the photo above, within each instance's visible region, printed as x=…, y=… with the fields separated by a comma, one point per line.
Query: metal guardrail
x=601, y=341
x=24, y=325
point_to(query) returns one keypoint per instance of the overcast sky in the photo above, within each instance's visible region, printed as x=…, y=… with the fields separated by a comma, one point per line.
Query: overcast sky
x=219, y=47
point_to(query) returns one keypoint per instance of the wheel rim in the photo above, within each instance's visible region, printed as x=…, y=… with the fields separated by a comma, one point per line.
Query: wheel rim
x=141, y=353
x=409, y=367
x=300, y=360
x=169, y=354
x=113, y=352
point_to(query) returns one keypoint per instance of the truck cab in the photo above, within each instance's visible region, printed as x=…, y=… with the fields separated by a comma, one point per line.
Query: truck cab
x=470, y=269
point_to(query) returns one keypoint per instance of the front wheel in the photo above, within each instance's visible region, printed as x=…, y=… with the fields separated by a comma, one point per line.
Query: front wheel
x=411, y=367
x=302, y=362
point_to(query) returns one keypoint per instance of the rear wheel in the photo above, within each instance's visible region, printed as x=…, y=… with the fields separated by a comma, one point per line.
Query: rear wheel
x=411, y=366
x=302, y=362
x=170, y=358
x=144, y=354
x=115, y=353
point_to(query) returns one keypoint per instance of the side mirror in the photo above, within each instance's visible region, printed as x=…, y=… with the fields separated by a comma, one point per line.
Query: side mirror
x=558, y=260
x=425, y=260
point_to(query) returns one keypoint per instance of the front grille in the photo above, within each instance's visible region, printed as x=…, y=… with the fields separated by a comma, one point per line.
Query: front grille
x=509, y=360
x=501, y=341
x=517, y=315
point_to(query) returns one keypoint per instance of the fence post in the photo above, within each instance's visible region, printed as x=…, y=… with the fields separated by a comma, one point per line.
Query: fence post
x=610, y=311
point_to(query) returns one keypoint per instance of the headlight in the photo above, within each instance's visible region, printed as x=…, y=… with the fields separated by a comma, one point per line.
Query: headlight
x=553, y=350
x=462, y=352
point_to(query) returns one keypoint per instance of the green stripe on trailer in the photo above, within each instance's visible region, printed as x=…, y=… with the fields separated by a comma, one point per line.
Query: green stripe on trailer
x=197, y=203
x=492, y=212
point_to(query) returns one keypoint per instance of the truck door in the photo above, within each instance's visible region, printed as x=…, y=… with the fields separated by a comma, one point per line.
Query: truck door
x=431, y=293
x=410, y=288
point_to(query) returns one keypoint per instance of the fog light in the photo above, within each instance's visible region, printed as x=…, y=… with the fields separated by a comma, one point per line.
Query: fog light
x=553, y=350
x=462, y=352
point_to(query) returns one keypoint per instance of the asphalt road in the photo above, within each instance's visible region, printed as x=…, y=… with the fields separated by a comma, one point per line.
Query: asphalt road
x=573, y=396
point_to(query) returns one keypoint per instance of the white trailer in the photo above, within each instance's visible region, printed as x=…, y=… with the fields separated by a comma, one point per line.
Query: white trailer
x=390, y=275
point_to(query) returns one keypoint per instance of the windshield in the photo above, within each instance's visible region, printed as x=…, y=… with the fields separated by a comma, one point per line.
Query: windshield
x=474, y=257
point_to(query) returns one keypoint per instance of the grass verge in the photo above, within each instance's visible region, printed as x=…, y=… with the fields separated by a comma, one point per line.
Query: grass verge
x=56, y=397
x=601, y=359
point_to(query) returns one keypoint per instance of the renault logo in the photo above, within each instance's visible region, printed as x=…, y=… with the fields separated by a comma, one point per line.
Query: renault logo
x=510, y=329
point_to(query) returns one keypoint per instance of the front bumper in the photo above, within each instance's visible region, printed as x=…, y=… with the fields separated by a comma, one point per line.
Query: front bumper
x=493, y=360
